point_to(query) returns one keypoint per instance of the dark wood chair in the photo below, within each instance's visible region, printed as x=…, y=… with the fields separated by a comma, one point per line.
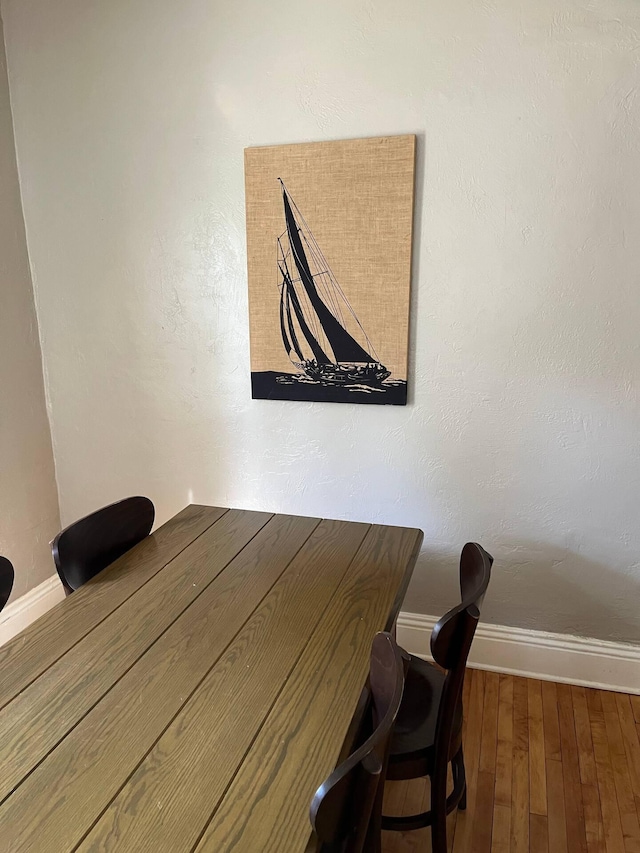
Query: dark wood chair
x=89, y=545
x=6, y=581
x=428, y=731
x=347, y=808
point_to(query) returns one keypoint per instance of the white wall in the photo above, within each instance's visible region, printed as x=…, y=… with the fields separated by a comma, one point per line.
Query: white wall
x=29, y=515
x=522, y=432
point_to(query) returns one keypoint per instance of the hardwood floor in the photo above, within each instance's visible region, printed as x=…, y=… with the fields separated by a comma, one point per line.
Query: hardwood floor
x=551, y=768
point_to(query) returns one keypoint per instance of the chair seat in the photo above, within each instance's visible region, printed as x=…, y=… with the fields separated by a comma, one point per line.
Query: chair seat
x=412, y=745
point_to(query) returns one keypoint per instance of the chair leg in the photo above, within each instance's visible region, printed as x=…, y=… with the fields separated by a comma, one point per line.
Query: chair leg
x=373, y=841
x=439, y=835
x=459, y=777
x=439, y=811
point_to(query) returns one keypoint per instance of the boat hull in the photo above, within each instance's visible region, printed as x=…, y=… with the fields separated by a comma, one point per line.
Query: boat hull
x=346, y=373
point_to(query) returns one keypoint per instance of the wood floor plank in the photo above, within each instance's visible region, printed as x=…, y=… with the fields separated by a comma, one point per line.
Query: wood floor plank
x=419, y=840
x=520, y=781
x=584, y=742
x=395, y=794
x=614, y=841
x=621, y=775
x=556, y=817
x=466, y=694
x=520, y=713
x=53, y=704
x=590, y=754
x=501, y=830
x=483, y=823
x=537, y=772
x=296, y=747
x=635, y=704
x=594, y=828
x=612, y=724
x=631, y=743
x=594, y=703
x=489, y=739
x=483, y=818
x=576, y=837
x=35, y=649
x=205, y=743
x=472, y=741
x=602, y=834
x=550, y=721
x=94, y=758
x=504, y=748
x=539, y=833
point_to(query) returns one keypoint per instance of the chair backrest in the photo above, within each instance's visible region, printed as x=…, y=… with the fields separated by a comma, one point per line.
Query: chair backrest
x=91, y=544
x=451, y=641
x=6, y=581
x=342, y=807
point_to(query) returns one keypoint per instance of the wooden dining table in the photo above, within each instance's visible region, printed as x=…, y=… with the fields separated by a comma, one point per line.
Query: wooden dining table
x=194, y=695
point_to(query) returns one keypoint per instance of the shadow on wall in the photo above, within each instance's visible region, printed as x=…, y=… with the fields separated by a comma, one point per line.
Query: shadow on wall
x=540, y=587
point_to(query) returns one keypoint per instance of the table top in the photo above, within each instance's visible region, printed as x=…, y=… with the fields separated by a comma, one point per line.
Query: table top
x=194, y=695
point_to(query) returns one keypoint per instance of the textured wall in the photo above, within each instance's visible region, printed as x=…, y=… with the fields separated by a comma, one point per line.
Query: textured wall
x=522, y=432
x=29, y=515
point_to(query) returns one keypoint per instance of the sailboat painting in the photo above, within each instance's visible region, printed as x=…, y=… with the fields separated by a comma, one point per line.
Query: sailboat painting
x=329, y=260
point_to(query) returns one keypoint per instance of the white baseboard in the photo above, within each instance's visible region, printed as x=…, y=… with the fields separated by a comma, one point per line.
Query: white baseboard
x=24, y=610
x=537, y=654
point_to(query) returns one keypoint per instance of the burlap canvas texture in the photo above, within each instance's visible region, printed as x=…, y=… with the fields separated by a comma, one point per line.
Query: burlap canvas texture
x=357, y=198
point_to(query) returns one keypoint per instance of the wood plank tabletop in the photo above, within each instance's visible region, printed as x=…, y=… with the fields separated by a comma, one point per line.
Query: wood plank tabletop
x=194, y=695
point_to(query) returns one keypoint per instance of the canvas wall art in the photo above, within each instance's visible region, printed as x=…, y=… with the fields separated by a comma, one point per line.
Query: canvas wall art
x=329, y=229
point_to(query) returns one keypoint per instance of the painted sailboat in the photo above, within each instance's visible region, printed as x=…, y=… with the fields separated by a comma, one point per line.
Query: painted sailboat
x=321, y=333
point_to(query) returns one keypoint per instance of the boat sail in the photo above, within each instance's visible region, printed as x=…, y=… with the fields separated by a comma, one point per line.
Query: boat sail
x=315, y=314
